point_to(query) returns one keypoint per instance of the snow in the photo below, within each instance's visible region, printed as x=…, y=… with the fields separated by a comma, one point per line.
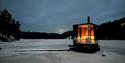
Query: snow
x=56, y=51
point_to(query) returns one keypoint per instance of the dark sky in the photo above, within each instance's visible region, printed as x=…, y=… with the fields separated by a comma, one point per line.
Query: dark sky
x=59, y=15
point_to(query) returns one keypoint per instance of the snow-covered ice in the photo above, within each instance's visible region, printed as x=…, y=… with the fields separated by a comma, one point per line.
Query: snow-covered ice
x=56, y=51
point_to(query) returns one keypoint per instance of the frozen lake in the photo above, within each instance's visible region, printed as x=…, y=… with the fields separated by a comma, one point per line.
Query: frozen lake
x=56, y=51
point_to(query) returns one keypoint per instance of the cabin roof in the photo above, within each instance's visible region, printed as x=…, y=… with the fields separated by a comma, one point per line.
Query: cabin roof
x=86, y=24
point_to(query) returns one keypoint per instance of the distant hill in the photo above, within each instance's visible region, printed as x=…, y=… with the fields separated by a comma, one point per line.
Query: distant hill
x=111, y=30
x=67, y=34
x=40, y=35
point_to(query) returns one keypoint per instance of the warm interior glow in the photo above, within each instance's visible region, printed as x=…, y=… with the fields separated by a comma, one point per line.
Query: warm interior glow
x=86, y=34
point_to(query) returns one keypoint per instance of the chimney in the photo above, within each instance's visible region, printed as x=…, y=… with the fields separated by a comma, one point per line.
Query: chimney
x=88, y=19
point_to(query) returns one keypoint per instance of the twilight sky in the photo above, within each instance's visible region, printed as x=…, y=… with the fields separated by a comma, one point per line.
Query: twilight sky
x=59, y=15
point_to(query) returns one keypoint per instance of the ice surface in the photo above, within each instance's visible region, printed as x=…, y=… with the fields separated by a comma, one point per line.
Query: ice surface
x=56, y=51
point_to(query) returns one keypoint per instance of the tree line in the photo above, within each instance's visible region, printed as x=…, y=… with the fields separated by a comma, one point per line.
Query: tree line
x=111, y=30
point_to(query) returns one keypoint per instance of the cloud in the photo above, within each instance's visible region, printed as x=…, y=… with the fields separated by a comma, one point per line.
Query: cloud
x=53, y=15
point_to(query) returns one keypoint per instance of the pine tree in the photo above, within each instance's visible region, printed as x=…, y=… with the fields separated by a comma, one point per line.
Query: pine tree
x=8, y=27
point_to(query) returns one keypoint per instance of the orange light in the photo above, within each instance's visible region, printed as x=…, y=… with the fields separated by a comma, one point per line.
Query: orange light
x=86, y=35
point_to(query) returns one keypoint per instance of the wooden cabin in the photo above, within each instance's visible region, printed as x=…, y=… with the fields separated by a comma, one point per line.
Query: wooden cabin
x=84, y=36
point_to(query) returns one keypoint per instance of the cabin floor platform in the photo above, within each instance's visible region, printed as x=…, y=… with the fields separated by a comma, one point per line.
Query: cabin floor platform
x=86, y=48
